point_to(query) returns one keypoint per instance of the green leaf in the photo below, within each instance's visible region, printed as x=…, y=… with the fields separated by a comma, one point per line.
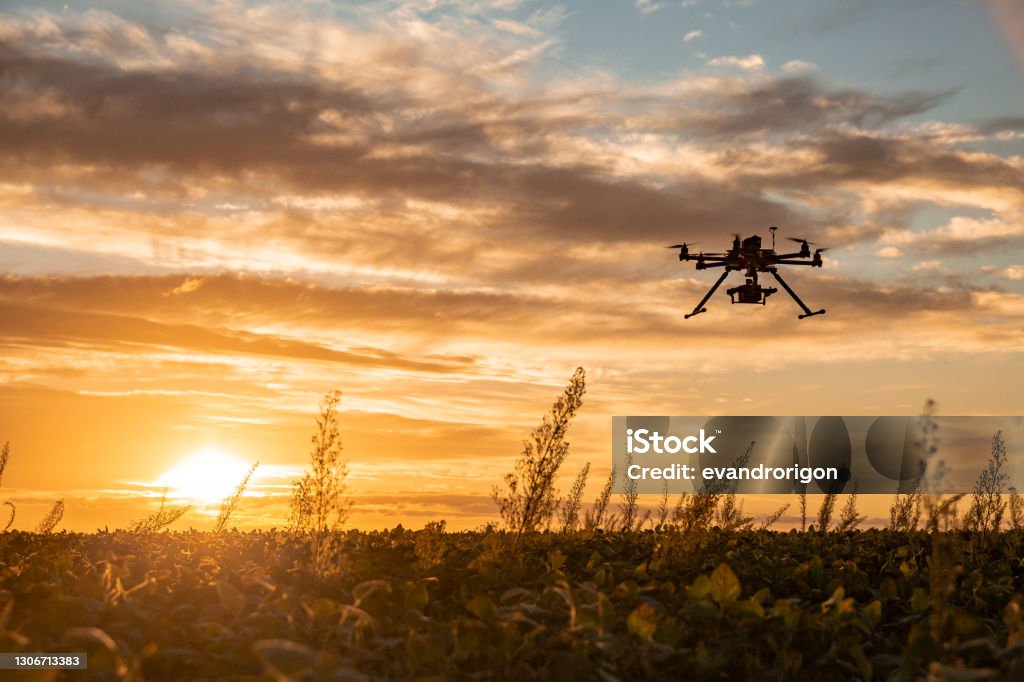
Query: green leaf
x=919, y=601
x=816, y=567
x=863, y=664
x=669, y=631
x=417, y=597
x=700, y=588
x=483, y=608
x=725, y=586
x=556, y=559
x=605, y=612
x=643, y=621
x=964, y=675
x=365, y=590
x=320, y=608
x=835, y=599
x=789, y=613
x=873, y=613
x=515, y=595
x=749, y=607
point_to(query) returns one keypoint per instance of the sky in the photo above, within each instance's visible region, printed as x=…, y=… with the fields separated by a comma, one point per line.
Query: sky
x=213, y=213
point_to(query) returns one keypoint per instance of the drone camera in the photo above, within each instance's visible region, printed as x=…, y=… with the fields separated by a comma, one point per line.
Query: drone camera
x=750, y=293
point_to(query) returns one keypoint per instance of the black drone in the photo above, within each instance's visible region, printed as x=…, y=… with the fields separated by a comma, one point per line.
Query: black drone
x=747, y=255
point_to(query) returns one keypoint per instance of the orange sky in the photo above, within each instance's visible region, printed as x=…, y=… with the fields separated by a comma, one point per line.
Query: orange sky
x=203, y=231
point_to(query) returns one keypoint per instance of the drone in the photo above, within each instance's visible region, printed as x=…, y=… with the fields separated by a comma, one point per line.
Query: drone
x=748, y=256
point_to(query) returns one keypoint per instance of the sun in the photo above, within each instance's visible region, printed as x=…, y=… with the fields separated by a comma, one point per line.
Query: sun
x=205, y=476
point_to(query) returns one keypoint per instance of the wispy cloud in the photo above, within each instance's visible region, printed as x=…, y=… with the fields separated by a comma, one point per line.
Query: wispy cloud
x=750, y=62
x=798, y=66
x=648, y=6
x=1011, y=272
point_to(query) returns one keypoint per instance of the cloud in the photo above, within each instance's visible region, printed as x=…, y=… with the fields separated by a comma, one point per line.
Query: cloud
x=750, y=62
x=528, y=162
x=364, y=178
x=60, y=328
x=516, y=27
x=247, y=316
x=353, y=179
x=798, y=66
x=1011, y=272
x=799, y=104
x=693, y=35
x=963, y=235
x=1011, y=124
x=189, y=285
x=648, y=6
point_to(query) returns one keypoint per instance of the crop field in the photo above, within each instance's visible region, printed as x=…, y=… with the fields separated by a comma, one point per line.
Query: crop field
x=430, y=605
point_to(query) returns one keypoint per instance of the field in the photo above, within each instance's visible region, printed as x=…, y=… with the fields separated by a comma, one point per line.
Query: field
x=400, y=604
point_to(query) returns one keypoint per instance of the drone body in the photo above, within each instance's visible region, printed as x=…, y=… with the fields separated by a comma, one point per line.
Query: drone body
x=747, y=256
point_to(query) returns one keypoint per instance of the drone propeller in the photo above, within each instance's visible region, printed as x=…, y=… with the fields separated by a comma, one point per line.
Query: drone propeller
x=823, y=249
x=798, y=240
x=684, y=245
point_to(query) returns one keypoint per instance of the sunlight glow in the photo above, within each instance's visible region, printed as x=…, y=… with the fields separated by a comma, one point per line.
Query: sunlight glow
x=206, y=476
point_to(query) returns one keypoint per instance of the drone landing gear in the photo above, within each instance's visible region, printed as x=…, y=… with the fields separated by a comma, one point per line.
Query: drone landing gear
x=700, y=306
x=807, y=311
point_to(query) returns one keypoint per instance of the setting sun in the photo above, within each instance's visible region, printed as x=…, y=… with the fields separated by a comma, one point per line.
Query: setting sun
x=206, y=476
